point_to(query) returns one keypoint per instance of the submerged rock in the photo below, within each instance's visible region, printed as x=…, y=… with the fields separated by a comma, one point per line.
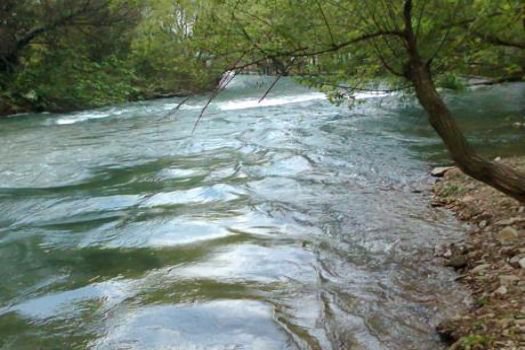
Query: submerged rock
x=441, y=171
x=457, y=262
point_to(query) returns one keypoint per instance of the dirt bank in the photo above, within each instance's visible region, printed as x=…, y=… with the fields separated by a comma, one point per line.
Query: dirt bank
x=490, y=261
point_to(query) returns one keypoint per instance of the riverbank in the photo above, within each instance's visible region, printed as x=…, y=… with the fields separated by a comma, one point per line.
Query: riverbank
x=9, y=107
x=490, y=261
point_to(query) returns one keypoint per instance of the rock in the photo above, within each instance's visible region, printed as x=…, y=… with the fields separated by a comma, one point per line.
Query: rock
x=515, y=261
x=440, y=171
x=508, y=251
x=497, y=159
x=521, y=210
x=467, y=198
x=507, y=235
x=457, y=262
x=441, y=249
x=501, y=290
x=522, y=263
x=483, y=224
x=510, y=221
x=480, y=268
x=508, y=280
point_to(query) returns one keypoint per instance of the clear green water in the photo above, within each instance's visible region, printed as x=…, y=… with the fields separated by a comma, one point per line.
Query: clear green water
x=292, y=224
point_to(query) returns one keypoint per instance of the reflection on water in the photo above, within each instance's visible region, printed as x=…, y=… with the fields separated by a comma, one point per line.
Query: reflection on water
x=290, y=224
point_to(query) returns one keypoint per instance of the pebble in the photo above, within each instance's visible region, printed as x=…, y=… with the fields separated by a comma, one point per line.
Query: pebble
x=457, y=262
x=522, y=263
x=467, y=198
x=515, y=260
x=501, y=290
x=440, y=171
x=480, y=268
x=508, y=279
x=507, y=235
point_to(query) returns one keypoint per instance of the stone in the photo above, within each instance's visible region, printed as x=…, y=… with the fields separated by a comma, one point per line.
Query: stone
x=515, y=260
x=501, y=290
x=522, y=263
x=508, y=280
x=467, y=198
x=510, y=221
x=440, y=171
x=483, y=224
x=508, y=251
x=441, y=249
x=507, y=235
x=480, y=268
x=457, y=262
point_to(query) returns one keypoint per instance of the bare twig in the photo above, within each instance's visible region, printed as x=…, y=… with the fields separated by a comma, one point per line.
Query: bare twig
x=224, y=83
x=276, y=81
x=332, y=40
x=179, y=105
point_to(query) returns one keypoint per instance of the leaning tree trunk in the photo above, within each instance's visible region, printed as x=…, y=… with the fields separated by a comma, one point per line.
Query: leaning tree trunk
x=497, y=175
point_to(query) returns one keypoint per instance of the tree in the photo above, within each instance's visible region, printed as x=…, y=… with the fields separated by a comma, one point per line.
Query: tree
x=23, y=21
x=411, y=44
x=61, y=55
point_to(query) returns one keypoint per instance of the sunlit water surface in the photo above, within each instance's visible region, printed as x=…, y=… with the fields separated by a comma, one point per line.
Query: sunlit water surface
x=285, y=224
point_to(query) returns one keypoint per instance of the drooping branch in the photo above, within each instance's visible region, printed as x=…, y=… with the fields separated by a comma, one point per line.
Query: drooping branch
x=304, y=51
x=495, y=40
x=327, y=24
x=499, y=176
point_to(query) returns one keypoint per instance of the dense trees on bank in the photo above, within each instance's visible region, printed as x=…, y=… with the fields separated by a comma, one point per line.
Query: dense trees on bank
x=69, y=54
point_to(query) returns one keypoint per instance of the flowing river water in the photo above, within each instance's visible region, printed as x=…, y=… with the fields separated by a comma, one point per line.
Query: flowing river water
x=285, y=224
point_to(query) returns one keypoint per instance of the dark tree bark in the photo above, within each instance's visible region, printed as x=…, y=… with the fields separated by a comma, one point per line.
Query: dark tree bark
x=497, y=175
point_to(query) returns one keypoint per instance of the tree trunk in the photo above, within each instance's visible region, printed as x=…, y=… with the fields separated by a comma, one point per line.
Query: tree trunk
x=497, y=175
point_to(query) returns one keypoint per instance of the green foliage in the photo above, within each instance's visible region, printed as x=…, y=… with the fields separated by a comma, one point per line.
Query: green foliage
x=92, y=53
x=452, y=82
x=317, y=39
x=67, y=80
x=473, y=342
x=95, y=52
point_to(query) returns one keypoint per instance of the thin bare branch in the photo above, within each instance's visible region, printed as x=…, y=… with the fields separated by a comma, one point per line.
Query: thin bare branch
x=217, y=91
x=179, y=105
x=326, y=22
x=285, y=71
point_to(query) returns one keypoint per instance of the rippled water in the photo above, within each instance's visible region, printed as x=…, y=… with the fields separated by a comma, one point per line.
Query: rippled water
x=290, y=224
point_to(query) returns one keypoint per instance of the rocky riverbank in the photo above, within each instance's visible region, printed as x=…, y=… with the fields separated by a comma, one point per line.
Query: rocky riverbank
x=490, y=262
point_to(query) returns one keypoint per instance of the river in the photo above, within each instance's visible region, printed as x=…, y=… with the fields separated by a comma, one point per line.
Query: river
x=285, y=224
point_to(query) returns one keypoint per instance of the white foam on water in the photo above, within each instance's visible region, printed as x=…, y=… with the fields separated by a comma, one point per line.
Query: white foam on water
x=184, y=106
x=370, y=94
x=89, y=115
x=279, y=101
x=268, y=102
x=81, y=118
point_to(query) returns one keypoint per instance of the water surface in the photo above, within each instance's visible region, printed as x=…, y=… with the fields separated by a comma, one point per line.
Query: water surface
x=290, y=224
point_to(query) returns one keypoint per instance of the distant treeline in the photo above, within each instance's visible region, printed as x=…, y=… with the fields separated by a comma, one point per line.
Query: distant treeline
x=64, y=55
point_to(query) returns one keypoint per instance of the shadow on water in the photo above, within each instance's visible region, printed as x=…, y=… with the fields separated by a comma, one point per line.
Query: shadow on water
x=291, y=224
